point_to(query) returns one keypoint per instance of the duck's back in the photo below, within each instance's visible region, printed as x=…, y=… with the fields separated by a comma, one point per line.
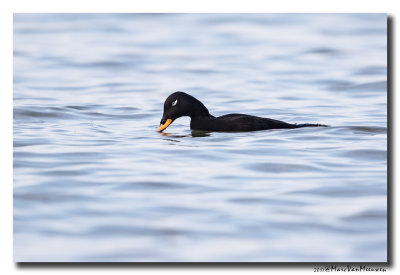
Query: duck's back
x=237, y=123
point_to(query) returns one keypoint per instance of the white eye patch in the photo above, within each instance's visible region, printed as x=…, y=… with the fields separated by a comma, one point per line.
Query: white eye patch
x=174, y=102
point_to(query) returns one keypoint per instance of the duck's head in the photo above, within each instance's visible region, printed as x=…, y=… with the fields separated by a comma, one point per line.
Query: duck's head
x=181, y=104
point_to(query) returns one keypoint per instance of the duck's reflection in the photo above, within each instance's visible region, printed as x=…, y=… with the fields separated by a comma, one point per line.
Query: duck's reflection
x=194, y=133
x=197, y=133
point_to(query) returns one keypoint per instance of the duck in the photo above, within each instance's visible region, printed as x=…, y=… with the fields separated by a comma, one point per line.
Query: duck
x=181, y=104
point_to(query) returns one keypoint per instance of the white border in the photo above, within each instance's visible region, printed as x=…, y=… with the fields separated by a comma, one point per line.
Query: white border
x=7, y=8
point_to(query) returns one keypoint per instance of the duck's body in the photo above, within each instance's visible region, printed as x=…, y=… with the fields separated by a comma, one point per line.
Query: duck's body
x=236, y=123
x=181, y=104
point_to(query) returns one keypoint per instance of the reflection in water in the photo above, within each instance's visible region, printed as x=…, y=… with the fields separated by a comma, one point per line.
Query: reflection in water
x=194, y=133
x=94, y=181
x=197, y=133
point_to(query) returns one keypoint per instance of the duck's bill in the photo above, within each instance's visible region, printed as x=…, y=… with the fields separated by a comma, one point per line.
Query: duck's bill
x=165, y=125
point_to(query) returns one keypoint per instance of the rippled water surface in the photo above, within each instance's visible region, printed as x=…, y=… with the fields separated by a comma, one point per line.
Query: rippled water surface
x=94, y=181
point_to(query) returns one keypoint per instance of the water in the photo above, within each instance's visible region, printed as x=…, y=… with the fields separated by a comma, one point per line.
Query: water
x=94, y=181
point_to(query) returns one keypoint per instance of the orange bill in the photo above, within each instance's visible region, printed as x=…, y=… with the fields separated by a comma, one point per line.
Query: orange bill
x=165, y=125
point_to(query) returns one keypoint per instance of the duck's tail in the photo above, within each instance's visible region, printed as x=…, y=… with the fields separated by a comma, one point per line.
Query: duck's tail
x=309, y=125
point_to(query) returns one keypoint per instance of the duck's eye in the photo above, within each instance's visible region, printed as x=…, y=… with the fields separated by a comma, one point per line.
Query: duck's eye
x=174, y=102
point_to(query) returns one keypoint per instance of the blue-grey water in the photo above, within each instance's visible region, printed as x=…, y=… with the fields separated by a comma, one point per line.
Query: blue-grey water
x=94, y=181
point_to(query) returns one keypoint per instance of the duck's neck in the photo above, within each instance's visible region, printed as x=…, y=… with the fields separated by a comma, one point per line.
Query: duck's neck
x=202, y=123
x=199, y=110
